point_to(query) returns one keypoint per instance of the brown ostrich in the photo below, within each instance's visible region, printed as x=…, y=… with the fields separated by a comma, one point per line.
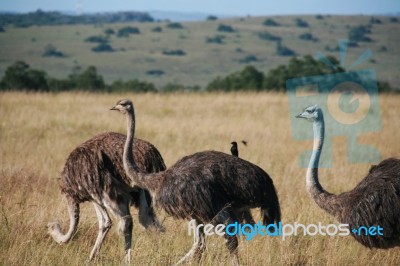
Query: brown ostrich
x=375, y=201
x=94, y=172
x=207, y=187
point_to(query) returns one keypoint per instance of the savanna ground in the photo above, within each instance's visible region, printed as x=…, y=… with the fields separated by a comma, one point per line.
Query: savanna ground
x=137, y=54
x=38, y=131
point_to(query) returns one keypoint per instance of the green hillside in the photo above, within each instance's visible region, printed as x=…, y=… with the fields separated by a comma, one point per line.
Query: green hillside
x=194, y=53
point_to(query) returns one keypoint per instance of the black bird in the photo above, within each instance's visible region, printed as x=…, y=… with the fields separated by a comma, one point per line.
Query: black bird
x=234, y=149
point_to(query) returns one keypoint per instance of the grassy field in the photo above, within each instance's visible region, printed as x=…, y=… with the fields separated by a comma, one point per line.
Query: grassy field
x=38, y=131
x=203, y=62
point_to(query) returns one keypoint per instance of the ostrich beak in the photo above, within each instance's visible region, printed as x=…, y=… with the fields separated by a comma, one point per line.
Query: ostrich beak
x=113, y=108
x=300, y=115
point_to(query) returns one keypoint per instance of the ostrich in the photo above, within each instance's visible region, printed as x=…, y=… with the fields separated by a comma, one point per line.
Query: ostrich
x=207, y=187
x=246, y=214
x=374, y=201
x=94, y=172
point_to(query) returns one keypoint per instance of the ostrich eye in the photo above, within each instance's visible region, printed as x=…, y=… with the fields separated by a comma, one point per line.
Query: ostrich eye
x=309, y=111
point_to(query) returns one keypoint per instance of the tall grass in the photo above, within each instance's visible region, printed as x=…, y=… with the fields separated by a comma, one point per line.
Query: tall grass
x=38, y=131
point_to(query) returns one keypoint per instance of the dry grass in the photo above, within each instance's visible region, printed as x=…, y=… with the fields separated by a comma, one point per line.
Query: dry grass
x=37, y=132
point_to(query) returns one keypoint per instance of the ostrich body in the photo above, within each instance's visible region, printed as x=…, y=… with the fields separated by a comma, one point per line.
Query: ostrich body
x=207, y=186
x=94, y=172
x=374, y=201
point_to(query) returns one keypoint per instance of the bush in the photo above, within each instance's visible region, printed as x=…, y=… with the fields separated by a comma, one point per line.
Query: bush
x=157, y=29
x=268, y=36
x=225, y=28
x=283, y=50
x=301, y=23
x=96, y=39
x=319, y=17
x=19, y=76
x=51, y=51
x=211, y=18
x=174, y=25
x=270, y=22
x=2, y=29
x=308, y=37
x=358, y=34
x=218, y=39
x=109, y=31
x=177, y=52
x=384, y=86
x=155, y=72
x=248, y=59
x=102, y=47
x=393, y=19
x=375, y=21
x=383, y=49
x=126, y=31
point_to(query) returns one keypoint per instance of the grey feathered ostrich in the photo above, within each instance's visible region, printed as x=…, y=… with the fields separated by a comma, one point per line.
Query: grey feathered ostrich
x=94, y=172
x=207, y=186
x=374, y=201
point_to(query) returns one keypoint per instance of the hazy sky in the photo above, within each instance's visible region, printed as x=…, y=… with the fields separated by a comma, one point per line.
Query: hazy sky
x=229, y=7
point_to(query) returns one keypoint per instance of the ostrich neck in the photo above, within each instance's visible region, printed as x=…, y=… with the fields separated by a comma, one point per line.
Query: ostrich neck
x=312, y=171
x=129, y=161
x=147, y=181
x=324, y=199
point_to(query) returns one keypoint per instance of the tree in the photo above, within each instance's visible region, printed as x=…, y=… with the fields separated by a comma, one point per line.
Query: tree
x=298, y=68
x=88, y=79
x=247, y=79
x=19, y=76
x=132, y=86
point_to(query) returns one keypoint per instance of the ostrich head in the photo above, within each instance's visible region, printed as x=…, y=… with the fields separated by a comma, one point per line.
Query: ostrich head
x=312, y=113
x=123, y=106
x=234, y=143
